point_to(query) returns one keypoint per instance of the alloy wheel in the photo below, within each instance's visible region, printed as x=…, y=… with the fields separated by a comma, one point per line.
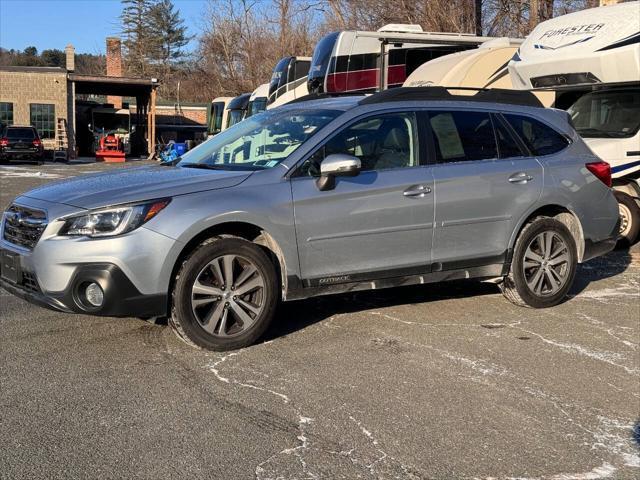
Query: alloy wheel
x=546, y=263
x=228, y=295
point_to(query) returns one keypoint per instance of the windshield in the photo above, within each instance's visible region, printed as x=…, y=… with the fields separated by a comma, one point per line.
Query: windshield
x=278, y=77
x=257, y=105
x=259, y=142
x=215, y=118
x=320, y=62
x=235, y=116
x=607, y=114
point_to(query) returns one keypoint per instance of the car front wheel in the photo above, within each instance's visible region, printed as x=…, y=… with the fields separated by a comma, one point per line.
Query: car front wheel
x=543, y=266
x=225, y=295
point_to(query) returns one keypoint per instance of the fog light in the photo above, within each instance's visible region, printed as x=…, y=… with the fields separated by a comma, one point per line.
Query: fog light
x=94, y=294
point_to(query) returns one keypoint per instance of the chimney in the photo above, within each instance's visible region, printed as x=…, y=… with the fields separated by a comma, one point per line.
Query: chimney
x=114, y=66
x=70, y=54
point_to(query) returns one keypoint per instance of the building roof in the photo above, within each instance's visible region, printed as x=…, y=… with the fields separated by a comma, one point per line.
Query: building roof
x=121, y=86
x=8, y=68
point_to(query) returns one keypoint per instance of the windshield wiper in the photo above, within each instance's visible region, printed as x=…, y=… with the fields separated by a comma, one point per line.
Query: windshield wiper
x=171, y=163
x=204, y=166
x=597, y=132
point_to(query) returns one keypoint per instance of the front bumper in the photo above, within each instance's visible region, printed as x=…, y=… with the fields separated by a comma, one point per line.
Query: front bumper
x=121, y=297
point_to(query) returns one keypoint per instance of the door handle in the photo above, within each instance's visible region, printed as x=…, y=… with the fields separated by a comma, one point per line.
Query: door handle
x=417, y=191
x=520, y=177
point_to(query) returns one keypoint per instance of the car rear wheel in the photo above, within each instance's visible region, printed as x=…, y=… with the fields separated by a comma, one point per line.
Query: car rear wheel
x=225, y=295
x=543, y=266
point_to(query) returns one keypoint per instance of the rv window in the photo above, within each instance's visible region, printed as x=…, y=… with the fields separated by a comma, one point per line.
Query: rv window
x=217, y=111
x=381, y=142
x=462, y=136
x=539, y=138
x=607, y=114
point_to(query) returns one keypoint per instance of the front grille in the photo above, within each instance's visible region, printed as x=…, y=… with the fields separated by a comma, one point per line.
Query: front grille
x=29, y=282
x=23, y=226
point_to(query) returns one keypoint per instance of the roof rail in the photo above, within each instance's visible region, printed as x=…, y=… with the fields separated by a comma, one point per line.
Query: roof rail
x=320, y=96
x=493, y=95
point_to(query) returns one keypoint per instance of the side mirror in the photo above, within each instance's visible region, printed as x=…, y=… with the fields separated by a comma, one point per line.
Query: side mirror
x=337, y=165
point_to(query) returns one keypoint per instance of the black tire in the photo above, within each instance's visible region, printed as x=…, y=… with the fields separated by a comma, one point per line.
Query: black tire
x=515, y=287
x=185, y=315
x=629, y=220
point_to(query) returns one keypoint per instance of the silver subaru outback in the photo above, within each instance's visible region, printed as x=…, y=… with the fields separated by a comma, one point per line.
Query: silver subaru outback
x=403, y=187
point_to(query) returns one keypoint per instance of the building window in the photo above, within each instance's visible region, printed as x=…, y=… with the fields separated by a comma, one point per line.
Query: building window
x=44, y=119
x=6, y=113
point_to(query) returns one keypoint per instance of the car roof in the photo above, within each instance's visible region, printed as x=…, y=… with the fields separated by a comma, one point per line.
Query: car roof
x=421, y=96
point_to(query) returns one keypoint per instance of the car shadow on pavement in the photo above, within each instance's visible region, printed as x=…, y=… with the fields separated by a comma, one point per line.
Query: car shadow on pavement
x=599, y=268
x=297, y=315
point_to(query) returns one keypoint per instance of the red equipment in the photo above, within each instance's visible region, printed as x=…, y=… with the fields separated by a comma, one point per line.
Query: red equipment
x=110, y=149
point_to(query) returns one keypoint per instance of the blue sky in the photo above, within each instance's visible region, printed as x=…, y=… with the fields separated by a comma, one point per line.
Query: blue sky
x=84, y=23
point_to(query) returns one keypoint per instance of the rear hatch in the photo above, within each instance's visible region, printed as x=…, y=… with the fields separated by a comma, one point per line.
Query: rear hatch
x=21, y=139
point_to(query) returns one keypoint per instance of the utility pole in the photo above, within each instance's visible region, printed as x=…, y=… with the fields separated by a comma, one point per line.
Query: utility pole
x=478, y=17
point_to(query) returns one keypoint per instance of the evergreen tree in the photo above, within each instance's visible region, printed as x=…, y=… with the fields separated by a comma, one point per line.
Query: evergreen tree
x=137, y=32
x=168, y=31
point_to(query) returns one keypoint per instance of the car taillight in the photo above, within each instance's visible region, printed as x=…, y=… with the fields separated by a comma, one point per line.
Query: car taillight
x=602, y=170
x=37, y=143
x=4, y=142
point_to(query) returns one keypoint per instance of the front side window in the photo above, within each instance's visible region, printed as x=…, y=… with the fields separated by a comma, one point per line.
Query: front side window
x=6, y=114
x=381, y=143
x=43, y=118
x=538, y=137
x=259, y=142
x=462, y=136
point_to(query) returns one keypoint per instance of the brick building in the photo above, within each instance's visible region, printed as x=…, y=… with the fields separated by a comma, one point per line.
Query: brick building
x=45, y=97
x=36, y=96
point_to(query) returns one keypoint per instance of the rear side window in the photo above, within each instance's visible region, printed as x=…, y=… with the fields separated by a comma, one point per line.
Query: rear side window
x=508, y=147
x=538, y=137
x=462, y=136
x=21, y=133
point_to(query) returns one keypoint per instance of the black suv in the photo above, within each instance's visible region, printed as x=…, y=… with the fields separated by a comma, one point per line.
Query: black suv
x=21, y=143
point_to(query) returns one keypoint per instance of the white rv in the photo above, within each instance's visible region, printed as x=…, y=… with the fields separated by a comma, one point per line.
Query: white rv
x=592, y=57
x=258, y=100
x=482, y=67
x=218, y=114
x=289, y=74
x=358, y=61
x=237, y=109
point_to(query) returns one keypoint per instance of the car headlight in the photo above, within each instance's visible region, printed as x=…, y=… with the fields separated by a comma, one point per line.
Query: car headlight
x=114, y=220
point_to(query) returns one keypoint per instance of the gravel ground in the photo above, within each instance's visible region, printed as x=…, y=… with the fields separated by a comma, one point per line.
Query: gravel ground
x=434, y=381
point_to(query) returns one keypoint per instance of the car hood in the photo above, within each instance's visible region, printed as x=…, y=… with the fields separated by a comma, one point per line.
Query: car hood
x=134, y=185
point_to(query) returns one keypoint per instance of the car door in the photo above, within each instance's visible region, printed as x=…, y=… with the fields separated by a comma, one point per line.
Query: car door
x=377, y=224
x=484, y=183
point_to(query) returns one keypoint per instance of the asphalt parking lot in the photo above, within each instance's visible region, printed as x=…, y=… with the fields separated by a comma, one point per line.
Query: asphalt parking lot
x=434, y=381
